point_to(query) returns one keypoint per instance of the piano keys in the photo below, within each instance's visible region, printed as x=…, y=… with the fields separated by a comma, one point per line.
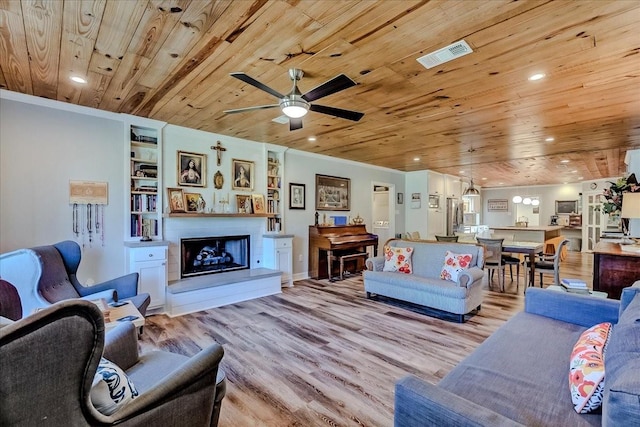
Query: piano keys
x=325, y=242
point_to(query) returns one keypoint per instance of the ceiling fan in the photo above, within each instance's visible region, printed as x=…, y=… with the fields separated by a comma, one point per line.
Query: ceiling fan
x=295, y=104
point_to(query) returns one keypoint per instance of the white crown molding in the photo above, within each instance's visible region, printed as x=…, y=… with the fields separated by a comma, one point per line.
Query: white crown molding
x=58, y=105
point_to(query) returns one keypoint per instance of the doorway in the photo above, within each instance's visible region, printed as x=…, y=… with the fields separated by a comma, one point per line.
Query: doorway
x=383, y=212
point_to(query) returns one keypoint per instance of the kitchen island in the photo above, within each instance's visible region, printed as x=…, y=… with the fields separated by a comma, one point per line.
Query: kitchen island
x=538, y=233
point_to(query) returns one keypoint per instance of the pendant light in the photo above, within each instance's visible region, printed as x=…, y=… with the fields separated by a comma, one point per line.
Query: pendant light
x=471, y=191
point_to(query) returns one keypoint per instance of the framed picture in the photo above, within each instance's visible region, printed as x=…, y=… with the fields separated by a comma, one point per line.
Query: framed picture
x=243, y=203
x=176, y=200
x=566, y=206
x=332, y=193
x=297, y=196
x=258, y=203
x=192, y=169
x=242, y=171
x=497, y=205
x=191, y=201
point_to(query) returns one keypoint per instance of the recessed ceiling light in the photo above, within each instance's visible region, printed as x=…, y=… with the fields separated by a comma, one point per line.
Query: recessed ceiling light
x=581, y=177
x=536, y=76
x=461, y=172
x=484, y=178
x=416, y=159
x=574, y=171
x=78, y=79
x=550, y=139
x=311, y=138
x=564, y=161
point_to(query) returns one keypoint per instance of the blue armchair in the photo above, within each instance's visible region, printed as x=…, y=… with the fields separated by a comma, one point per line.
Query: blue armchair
x=44, y=275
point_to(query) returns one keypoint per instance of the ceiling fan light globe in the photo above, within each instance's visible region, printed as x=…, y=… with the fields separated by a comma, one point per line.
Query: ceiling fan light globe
x=294, y=108
x=517, y=199
x=526, y=201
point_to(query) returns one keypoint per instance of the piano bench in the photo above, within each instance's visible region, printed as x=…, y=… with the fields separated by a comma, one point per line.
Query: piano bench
x=348, y=257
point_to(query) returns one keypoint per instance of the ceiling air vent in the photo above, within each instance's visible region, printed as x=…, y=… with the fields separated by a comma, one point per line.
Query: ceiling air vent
x=446, y=54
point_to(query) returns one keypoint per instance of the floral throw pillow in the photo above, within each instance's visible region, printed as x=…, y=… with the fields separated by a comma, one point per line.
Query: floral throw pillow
x=454, y=264
x=586, y=368
x=398, y=259
x=111, y=388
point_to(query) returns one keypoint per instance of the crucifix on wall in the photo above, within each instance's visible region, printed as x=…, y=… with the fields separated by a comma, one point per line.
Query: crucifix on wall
x=219, y=149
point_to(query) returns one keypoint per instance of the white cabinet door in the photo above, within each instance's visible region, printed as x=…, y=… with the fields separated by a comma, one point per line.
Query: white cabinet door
x=284, y=260
x=153, y=277
x=435, y=183
x=278, y=255
x=150, y=262
x=452, y=187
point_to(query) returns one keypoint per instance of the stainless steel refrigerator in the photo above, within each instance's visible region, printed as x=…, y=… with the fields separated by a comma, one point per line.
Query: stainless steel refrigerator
x=454, y=216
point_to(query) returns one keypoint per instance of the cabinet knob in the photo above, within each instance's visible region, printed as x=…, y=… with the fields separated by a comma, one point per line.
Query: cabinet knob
x=150, y=255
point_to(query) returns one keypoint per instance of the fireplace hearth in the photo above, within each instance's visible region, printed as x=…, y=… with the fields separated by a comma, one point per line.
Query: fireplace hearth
x=215, y=254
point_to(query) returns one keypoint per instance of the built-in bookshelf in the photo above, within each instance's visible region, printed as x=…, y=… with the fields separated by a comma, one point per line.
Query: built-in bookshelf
x=274, y=190
x=144, y=192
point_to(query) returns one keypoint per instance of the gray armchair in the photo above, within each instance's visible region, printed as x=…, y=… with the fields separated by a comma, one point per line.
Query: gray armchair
x=43, y=381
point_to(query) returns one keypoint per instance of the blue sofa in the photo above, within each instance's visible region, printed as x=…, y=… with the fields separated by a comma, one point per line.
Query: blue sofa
x=520, y=374
x=424, y=286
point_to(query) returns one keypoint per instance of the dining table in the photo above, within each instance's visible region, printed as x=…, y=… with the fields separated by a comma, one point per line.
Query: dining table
x=527, y=248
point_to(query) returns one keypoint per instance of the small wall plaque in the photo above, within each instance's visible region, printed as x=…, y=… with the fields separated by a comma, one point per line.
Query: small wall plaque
x=497, y=205
x=85, y=192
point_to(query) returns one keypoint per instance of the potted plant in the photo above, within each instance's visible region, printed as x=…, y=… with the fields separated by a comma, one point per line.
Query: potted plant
x=614, y=195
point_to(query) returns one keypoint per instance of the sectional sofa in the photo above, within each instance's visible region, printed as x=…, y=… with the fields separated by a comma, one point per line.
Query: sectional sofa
x=521, y=376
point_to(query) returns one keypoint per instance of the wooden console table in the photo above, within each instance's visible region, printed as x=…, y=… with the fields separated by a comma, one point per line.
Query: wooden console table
x=614, y=269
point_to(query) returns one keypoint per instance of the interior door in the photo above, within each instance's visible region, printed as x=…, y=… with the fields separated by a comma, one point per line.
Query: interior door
x=592, y=229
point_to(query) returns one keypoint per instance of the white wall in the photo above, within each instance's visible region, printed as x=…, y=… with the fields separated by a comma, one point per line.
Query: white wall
x=547, y=195
x=417, y=182
x=41, y=150
x=301, y=168
x=44, y=144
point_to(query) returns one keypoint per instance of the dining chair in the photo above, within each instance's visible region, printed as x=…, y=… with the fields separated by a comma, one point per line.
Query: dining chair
x=548, y=264
x=508, y=258
x=446, y=238
x=493, y=259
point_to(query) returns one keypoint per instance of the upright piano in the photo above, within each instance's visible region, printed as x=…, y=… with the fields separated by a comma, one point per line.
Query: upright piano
x=327, y=242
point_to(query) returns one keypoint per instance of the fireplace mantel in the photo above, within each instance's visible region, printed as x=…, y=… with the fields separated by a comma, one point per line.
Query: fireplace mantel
x=218, y=215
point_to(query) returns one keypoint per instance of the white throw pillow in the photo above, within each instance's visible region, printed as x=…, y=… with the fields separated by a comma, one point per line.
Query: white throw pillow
x=398, y=259
x=111, y=388
x=454, y=264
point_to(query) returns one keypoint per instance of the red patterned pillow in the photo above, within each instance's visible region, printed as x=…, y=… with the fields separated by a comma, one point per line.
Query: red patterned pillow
x=454, y=264
x=586, y=368
x=398, y=259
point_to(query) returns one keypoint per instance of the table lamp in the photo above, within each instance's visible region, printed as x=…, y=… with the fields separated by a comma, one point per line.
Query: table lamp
x=630, y=207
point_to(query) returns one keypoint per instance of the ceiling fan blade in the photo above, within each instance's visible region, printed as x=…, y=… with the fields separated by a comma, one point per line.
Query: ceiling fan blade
x=253, y=82
x=338, y=112
x=259, y=107
x=295, y=124
x=336, y=84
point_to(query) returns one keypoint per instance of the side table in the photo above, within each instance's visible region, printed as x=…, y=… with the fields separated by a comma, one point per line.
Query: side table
x=557, y=288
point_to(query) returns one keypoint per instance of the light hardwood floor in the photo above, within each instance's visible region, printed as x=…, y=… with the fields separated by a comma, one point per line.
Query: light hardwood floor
x=322, y=354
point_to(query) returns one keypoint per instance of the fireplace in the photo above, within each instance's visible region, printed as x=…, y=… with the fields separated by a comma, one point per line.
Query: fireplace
x=208, y=255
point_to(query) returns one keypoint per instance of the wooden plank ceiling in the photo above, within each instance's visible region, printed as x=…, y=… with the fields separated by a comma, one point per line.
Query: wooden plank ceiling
x=170, y=60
